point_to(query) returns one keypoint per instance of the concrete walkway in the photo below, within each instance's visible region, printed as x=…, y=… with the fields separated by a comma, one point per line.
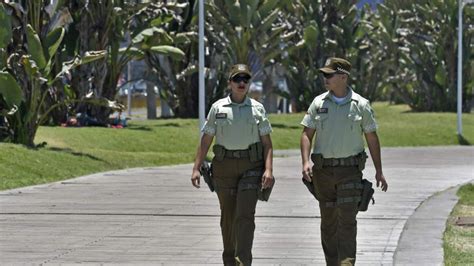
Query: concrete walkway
x=154, y=216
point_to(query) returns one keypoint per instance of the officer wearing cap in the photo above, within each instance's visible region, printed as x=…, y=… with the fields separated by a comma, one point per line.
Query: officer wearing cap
x=242, y=164
x=339, y=117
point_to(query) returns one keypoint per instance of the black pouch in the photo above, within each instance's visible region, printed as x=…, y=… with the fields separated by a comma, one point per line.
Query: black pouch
x=317, y=161
x=219, y=152
x=264, y=194
x=361, y=159
x=256, y=152
x=366, y=196
x=206, y=173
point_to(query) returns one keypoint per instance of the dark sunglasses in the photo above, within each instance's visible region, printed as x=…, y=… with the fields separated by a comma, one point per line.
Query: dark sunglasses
x=328, y=76
x=238, y=79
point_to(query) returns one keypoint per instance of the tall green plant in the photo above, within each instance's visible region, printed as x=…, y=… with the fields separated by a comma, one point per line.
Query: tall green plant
x=254, y=32
x=26, y=77
x=424, y=73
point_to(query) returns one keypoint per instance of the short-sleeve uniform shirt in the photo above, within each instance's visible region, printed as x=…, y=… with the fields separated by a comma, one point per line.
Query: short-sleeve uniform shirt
x=339, y=127
x=237, y=125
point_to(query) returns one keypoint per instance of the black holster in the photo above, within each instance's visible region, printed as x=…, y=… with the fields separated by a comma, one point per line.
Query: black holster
x=366, y=195
x=310, y=186
x=206, y=173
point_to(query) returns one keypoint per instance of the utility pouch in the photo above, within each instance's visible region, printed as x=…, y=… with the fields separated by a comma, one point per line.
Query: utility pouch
x=256, y=152
x=252, y=179
x=317, y=161
x=362, y=158
x=206, y=173
x=366, y=196
x=264, y=194
x=219, y=152
x=310, y=186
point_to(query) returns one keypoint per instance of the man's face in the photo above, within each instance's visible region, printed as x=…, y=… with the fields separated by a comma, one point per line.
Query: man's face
x=239, y=84
x=334, y=81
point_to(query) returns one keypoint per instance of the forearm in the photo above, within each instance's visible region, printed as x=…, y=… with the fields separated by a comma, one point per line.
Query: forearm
x=202, y=150
x=305, y=146
x=267, y=152
x=374, y=148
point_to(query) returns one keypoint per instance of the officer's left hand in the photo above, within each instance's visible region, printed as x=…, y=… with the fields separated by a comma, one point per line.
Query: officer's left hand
x=267, y=179
x=381, y=181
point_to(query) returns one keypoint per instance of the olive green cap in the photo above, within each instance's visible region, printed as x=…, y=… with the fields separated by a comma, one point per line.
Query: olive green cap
x=336, y=65
x=239, y=69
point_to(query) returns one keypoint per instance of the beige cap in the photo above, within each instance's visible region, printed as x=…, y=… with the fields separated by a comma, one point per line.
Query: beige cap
x=336, y=65
x=239, y=69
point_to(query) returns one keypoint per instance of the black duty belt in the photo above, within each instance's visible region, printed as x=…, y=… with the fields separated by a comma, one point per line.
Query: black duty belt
x=236, y=154
x=349, y=161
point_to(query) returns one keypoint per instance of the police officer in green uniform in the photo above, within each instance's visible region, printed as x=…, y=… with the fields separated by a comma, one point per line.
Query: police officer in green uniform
x=242, y=163
x=339, y=118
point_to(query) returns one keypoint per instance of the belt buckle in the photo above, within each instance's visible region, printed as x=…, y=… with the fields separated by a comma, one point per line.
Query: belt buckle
x=236, y=154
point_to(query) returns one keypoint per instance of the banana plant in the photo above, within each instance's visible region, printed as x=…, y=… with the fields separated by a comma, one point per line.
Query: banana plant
x=426, y=63
x=254, y=32
x=26, y=78
x=327, y=28
x=167, y=41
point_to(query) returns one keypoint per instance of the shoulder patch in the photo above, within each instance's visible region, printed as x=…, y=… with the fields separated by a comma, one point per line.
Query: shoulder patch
x=221, y=116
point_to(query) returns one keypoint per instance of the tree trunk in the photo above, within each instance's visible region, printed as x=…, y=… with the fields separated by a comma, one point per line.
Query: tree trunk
x=150, y=101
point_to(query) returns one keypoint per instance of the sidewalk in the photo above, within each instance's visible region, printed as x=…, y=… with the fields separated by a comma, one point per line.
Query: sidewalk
x=154, y=216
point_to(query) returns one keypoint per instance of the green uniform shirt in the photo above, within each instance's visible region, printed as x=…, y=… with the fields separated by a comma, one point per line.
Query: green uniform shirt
x=237, y=125
x=339, y=127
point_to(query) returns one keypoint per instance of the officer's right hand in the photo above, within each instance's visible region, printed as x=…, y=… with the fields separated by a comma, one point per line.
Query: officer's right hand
x=307, y=172
x=196, y=178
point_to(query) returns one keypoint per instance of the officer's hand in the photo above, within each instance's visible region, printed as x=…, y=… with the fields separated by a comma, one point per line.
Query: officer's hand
x=196, y=178
x=381, y=180
x=307, y=172
x=267, y=179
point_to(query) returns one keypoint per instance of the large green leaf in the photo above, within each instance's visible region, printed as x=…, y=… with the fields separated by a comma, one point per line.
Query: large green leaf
x=133, y=52
x=174, y=52
x=52, y=42
x=311, y=34
x=34, y=47
x=10, y=90
x=87, y=58
x=5, y=27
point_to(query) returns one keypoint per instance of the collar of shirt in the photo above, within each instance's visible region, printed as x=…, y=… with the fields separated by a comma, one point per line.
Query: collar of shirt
x=245, y=102
x=349, y=97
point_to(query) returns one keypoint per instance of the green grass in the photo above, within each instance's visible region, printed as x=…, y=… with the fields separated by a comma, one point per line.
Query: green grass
x=71, y=152
x=458, y=240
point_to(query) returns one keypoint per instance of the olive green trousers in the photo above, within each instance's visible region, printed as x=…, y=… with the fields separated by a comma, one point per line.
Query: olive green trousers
x=338, y=220
x=237, y=208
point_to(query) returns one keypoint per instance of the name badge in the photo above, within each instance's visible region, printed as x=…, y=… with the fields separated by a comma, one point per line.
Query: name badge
x=322, y=110
x=221, y=116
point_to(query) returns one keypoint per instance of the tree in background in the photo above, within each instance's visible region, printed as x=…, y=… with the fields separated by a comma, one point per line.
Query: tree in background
x=253, y=32
x=419, y=43
x=31, y=34
x=329, y=28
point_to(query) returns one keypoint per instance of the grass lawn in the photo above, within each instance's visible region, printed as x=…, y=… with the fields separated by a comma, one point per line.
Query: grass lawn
x=72, y=152
x=459, y=240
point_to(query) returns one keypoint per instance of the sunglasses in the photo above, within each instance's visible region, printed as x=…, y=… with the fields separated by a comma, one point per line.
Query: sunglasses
x=328, y=76
x=238, y=79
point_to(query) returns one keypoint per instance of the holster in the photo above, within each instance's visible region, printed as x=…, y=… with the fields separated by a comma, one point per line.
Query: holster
x=310, y=186
x=206, y=173
x=366, y=196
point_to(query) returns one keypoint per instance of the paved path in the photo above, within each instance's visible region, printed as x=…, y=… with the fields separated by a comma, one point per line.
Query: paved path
x=154, y=216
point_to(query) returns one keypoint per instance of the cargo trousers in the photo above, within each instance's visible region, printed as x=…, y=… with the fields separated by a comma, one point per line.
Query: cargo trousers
x=237, y=207
x=338, y=219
